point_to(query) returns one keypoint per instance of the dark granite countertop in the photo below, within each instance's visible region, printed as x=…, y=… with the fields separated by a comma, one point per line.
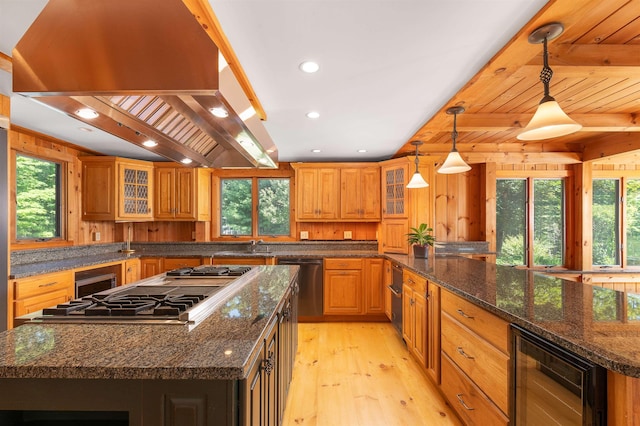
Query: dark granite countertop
x=37, y=268
x=599, y=324
x=217, y=348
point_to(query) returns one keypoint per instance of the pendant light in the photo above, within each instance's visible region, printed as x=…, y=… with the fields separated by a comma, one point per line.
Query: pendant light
x=549, y=121
x=417, y=181
x=454, y=162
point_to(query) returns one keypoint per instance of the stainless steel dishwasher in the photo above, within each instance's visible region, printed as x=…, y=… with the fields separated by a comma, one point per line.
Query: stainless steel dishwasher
x=310, y=299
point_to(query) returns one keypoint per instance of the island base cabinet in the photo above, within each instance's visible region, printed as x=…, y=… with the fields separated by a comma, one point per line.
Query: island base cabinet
x=473, y=407
x=118, y=402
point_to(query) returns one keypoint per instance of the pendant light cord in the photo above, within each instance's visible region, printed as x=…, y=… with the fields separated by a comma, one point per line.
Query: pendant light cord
x=454, y=133
x=546, y=73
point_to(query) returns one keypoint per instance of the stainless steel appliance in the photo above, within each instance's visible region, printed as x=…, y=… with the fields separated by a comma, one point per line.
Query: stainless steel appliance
x=88, y=283
x=310, y=279
x=396, y=297
x=184, y=296
x=553, y=386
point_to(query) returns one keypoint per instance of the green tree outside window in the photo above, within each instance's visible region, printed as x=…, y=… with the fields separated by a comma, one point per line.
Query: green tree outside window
x=37, y=198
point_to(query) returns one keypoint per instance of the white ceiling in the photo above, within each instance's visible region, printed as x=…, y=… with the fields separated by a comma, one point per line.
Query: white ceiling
x=386, y=66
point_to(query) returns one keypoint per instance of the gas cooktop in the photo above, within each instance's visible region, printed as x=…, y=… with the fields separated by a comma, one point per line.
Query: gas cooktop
x=208, y=271
x=136, y=303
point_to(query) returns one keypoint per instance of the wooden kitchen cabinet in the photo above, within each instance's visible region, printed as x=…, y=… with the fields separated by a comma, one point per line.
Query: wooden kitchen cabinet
x=131, y=271
x=317, y=193
x=403, y=208
x=360, y=193
x=373, y=289
x=31, y=294
x=387, y=280
x=394, y=181
x=343, y=286
x=475, y=360
x=258, y=260
x=182, y=193
x=394, y=235
x=171, y=263
x=150, y=266
x=414, y=315
x=117, y=189
x=433, y=329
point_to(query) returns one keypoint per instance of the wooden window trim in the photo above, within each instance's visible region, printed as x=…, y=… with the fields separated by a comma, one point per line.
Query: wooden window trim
x=60, y=241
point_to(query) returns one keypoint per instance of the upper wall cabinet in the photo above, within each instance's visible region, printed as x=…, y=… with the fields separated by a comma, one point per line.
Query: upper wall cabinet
x=317, y=194
x=182, y=193
x=394, y=179
x=403, y=208
x=118, y=189
x=337, y=192
x=360, y=193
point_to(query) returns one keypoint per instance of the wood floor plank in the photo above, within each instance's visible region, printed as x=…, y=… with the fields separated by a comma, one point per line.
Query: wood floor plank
x=360, y=374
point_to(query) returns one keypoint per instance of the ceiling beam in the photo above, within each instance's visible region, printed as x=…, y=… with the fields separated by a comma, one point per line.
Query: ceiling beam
x=615, y=144
x=592, y=55
x=491, y=122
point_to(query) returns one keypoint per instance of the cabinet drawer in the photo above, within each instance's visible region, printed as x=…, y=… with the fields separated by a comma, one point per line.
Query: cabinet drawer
x=481, y=361
x=171, y=263
x=483, y=323
x=415, y=281
x=343, y=263
x=40, y=284
x=467, y=399
x=35, y=303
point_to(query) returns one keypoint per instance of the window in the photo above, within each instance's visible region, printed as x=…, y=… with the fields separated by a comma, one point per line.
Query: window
x=616, y=222
x=269, y=198
x=38, y=198
x=530, y=217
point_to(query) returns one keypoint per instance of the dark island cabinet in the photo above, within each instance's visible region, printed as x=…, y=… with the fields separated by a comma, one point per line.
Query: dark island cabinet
x=264, y=393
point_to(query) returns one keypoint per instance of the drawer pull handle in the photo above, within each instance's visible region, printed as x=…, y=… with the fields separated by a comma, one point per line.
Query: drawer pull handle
x=464, y=354
x=461, y=401
x=462, y=314
x=48, y=284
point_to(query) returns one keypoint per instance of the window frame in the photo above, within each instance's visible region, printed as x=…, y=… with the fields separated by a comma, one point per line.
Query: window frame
x=622, y=177
x=530, y=176
x=254, y=175
x=24, y=243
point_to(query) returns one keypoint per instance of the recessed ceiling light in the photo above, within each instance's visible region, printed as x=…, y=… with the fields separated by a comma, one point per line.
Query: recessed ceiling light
x=87, y=113
x=187, y=161
x=362, y=150
x=219, y=112
x=85, y=129
x=309, y=66
x=315, y=150
x=313, y=114
x=149, y=143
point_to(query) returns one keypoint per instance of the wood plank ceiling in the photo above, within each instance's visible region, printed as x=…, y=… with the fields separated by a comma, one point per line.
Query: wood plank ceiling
x=596, y=80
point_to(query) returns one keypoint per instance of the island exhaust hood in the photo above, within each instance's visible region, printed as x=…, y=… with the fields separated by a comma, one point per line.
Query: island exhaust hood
x=150, y=71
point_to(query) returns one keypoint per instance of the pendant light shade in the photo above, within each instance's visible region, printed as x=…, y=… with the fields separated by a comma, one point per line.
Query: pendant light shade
x=549, y=121
x=454, y=162
x=417, y=181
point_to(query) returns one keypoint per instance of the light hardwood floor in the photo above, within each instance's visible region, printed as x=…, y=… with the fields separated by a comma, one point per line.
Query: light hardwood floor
x=360, y=374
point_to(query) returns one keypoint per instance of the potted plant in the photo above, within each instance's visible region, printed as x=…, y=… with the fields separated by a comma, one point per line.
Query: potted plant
x=421, y=239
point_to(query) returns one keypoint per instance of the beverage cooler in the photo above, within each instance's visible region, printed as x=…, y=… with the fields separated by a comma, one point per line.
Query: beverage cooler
x=553, y=386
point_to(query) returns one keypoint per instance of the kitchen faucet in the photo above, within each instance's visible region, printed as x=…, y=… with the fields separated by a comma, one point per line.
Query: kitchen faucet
x=254, y=244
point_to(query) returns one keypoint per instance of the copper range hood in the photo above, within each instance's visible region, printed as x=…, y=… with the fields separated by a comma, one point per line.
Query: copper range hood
x=150, y=71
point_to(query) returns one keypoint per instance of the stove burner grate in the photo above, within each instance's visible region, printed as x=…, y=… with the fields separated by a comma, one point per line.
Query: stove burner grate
x=128, y=305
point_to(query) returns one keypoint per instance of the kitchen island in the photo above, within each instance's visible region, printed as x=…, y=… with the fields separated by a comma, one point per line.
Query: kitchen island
x=153, y=374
